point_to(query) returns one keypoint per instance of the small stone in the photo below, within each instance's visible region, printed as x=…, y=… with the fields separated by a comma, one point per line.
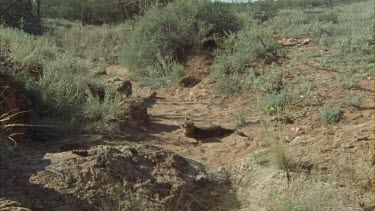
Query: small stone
x=288, y=138
x=348, y=146
x=232, y=144
x=296, y=140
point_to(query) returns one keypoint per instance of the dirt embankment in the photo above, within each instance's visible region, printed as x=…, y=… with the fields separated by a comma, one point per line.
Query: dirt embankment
x=15, y=111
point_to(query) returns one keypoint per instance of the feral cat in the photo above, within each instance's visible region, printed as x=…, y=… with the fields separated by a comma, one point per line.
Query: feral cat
x=125, y=89
x=191, y=131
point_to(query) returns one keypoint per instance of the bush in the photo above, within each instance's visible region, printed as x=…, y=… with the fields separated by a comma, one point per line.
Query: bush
x=346, y=31
x=352, y=100
x=63, y=92
x=271, y=80
x=230, y=85
x=331, y=114
x=242, y=48
x=275, y=102
x=305, y=193
x=347, y=82
x=240, y=118
x=97, y=44
x=263, y=10
x=327, y=17
x=166, y=35
x=103, y=113
x=280, y=157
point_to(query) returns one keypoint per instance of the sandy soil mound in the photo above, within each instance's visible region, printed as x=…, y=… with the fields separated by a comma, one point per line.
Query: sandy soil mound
x=118, y=176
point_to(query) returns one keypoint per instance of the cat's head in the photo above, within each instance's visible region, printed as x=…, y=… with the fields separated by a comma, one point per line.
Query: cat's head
x=187, y=123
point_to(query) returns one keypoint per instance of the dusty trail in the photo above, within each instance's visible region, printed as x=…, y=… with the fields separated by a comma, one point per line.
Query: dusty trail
x=168, y=114
x=174, y=104
x=317, y=147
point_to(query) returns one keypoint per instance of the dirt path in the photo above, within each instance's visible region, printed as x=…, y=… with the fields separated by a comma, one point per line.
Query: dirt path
x=325, y=149
x=174, y=104
x=225, y=152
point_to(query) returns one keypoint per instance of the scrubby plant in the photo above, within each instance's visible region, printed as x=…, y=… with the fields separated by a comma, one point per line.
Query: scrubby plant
x=263, y=10
x=240, y=118
x=231, y=68
x=331, y=114
x=263, y=157
x=166, y=35
x=275, y=102
x=5, y=59
x=103, y=113
x=347, y=82
x=94, y=43
x=280, y=157
x=228, y=85
x=244, y=47
x=352, y=100
x=271, y=80
x=305, y=193
x=66, y=90
x=308, y=86
x=347, y=34
x=327, y=17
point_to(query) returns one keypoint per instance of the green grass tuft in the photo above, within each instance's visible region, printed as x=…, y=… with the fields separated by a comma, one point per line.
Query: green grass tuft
x=331, y=114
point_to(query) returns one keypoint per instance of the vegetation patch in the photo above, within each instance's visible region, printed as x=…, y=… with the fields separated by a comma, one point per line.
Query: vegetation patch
x=352, y=100
x=281, y=158
x=62, y=88
x=275, y=102
x=305, y=194
x=165, y=36
x=331, y=114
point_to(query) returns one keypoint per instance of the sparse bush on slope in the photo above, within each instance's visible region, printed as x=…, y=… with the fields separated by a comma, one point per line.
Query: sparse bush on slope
x=347, y=31
x=245, y=47
x=62, y=92
x=166, y=35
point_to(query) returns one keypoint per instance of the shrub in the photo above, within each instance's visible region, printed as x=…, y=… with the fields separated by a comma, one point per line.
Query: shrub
x=240, y=118
x=5, y=59
x=305, y=193
x=280, y=157
x=346, y=31
x=166, y=35
x=263, y=10
x=63, y=93
x=352, y=100
x=271, y=80
x=103, y=113
x=229, y=85
x=327, y=17
x=276, y=101
x=263, y=157
x=97, y=44
x=243, y=47
x=347, y=83
x=331, y=114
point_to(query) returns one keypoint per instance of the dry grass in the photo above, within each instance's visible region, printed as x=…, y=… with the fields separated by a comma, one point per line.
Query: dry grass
x=7, y=125
x=305, y=194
